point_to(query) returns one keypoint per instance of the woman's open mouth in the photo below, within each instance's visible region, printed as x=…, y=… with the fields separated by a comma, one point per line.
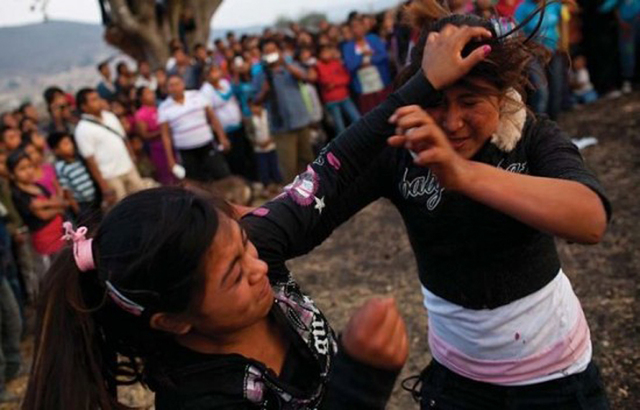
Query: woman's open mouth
x=457, y=143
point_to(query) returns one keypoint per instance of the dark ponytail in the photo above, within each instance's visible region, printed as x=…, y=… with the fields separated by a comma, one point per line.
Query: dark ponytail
x=150, y=249
x=70, y=356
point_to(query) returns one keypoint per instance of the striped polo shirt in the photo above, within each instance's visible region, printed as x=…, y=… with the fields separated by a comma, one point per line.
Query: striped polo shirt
x=75, y=177
x=187, y=121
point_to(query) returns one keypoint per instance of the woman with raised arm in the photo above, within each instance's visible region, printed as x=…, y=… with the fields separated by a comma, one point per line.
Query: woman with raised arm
x=484, y=188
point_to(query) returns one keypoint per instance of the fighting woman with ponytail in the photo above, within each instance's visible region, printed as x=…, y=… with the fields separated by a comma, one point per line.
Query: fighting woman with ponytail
x=176, y=291
x=171, y=292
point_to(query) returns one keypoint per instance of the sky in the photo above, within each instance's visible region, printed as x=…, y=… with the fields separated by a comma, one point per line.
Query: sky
x=232, y=13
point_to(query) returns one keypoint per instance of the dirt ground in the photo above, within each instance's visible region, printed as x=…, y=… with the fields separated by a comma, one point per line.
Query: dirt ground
x=370, y=255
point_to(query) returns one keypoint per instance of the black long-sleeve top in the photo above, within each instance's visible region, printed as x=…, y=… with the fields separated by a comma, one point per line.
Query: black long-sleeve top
x=467, y=253
x=317, y=374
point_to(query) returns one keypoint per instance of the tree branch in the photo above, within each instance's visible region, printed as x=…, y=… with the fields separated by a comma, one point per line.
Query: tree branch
x=122, y=16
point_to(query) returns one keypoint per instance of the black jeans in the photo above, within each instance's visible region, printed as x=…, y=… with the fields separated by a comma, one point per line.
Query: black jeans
x=204, y=164
x=241, y=158
x=446, y=390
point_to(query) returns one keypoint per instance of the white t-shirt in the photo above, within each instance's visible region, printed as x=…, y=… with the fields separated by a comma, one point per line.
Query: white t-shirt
x=152, y=82
x=108, y=149
x=224, y=103
x=187, y=121
x=540, y=337
x=262, y=132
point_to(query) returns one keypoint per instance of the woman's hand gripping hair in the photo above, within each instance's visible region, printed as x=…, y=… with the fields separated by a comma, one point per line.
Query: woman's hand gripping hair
x=442, y=61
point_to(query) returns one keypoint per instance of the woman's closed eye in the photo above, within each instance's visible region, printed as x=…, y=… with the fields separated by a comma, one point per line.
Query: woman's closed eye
x=469, y=102
x=238, y=276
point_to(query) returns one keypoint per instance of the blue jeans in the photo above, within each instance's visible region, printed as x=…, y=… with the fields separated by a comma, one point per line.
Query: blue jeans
x=548, y=86
x=268, y=168
x=445, y=390
x=629, y=40
x=10, y=332
x=586, y=98
x=338, y=108
x=9, y=266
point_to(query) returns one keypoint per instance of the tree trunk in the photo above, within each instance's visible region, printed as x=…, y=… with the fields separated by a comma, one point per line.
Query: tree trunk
x=142, y=30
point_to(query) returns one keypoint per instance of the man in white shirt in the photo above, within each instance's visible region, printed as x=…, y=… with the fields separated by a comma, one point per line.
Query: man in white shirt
x=102, y=142
x=187, y=120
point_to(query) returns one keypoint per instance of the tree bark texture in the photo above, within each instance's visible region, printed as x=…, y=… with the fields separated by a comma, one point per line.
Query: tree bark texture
x=143, y=28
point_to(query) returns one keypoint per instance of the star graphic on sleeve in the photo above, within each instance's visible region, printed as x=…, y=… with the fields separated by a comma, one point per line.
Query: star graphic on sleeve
x=319, y=204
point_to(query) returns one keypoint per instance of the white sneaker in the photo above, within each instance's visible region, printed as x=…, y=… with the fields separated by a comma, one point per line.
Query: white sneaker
x=613, y=94
x=626, y=87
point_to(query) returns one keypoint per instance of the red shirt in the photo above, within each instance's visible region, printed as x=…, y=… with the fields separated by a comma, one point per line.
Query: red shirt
x=333, y=81
x=506, y=10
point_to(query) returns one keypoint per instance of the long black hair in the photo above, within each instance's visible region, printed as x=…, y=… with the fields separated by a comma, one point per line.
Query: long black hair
x=150, y=249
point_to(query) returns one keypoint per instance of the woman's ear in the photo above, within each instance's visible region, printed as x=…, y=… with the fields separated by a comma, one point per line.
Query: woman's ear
x=170, y=323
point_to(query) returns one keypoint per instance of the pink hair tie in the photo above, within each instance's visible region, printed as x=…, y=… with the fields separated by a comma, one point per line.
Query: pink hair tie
x=82, y=252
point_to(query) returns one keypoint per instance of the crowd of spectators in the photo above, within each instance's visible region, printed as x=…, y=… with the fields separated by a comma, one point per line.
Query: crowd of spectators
x=255, y=107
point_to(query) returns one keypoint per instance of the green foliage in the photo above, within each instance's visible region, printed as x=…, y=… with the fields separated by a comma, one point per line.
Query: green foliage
x=283, y=22
x=312, y=20
x=309, y=20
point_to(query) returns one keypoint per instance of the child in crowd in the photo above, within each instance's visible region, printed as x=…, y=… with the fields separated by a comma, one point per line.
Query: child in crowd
x=8, y=120
x=40, y=142
x=119, y=109
x=265, y=149
x=161, y=88
x=583, y=90
x=146, y=167
x=11, y=139
x=44, y=173
x=40, y=210
x=308, y=60
x=484, y=9
x=218, y=92
x=19, y=234
x=242, y=88
x=333, y=80
x=75, y=178
x=28, y=124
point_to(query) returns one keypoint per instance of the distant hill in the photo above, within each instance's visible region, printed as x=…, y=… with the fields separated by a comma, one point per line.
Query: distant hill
x=65, y=53
x=50, y=47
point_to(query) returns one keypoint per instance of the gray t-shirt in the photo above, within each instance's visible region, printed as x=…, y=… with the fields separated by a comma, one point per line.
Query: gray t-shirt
x=286, y=107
